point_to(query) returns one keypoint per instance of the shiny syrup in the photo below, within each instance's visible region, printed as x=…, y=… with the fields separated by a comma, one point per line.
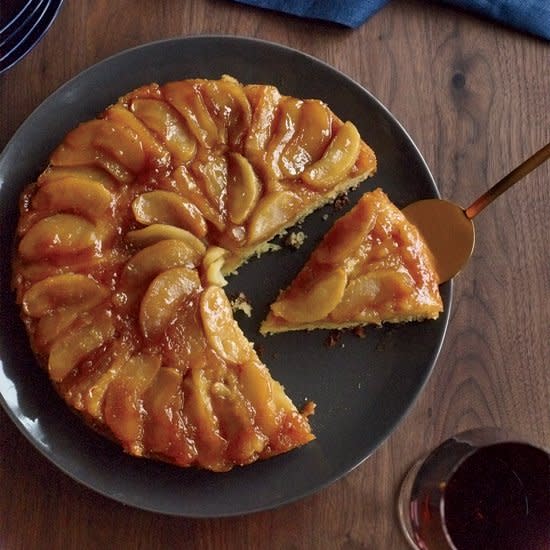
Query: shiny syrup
x=499, y=498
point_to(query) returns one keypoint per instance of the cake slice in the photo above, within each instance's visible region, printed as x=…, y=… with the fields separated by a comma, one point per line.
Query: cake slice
x=372, y=267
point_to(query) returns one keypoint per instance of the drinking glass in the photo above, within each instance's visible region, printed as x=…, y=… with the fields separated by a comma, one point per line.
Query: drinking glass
x=482, y=489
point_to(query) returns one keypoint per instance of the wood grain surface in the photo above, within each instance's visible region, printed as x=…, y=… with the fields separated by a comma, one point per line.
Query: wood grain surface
x=475, y=97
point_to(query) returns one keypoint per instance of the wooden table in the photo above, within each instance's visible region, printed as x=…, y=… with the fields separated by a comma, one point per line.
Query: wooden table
x=476, y=99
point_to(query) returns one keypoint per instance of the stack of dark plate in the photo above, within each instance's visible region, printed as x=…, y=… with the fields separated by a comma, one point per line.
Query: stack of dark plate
x=22, y=25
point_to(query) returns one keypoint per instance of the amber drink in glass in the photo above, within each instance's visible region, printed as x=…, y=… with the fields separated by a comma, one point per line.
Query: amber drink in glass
x=482, y=489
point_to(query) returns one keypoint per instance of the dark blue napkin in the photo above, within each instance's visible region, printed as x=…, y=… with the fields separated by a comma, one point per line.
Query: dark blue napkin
x=532, y=16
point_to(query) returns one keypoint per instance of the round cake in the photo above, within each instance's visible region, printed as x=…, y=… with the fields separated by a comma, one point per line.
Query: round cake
x=123, y=244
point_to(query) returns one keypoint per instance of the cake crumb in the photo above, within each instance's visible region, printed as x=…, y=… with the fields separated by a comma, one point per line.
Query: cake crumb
x=295, y=239
x=241, y=303
x=325, y=217
x=309, y=409
x=333, y=338
x=359, y=332
x=341, y=202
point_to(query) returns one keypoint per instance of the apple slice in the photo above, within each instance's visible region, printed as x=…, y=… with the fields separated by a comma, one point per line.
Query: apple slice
x=235, y=413
x=93, y=173
x=211, y=174
x=165, y=121
x=93, y=394
x=92, y=140
x=337, y=161
x=165, y=430
x=230, y=108
x=60, y=234
x=152, y=146
x=81, y=196
x=169, y=208
x=312, y=137
x=222, y=331
x=272, y=213
x=212, y=265
x=67, y=351
x=265, y=100
x=123, y=405
x=66, y=290
x=323, y=295
x=189, y=190
x=347, y=235
x=373, y=290
x=198, y=409
x=186, y=98
x=158, y=232
x=149, y=262
x=244, y=188
x=289, y=114
x=164, y=296
x=257, y=386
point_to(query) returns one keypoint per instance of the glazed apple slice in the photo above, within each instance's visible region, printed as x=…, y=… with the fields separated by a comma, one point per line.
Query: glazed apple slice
x=58, y=301
x=165, y=121
x=230, y=108
x=221, y=329
x=211, y=174
x=272, y=213
x=256, y=385
x=265, y=100
x=158, y=232
x=312, y=136
x=198, y=408
x=151, y=145
x=234, y=412
x=115, y=147
x=186, y=186
x=337, y=161
x=61, y=291
x=93, y=173
x=166, y=207
x=163, y=297
x=81, y=196
x=374, y=295
x=316, y=301
x=149, y=262
x=212, y=266
x=86, y=389
x=123, y=409
x=186, y=98
x=288, y=116
x=346, y=236
x=60, y=234
x=166, y=433
x=244, y=188
x=68, y=350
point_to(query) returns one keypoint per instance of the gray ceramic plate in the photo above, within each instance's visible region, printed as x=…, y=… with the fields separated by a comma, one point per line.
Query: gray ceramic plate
x=362, y=387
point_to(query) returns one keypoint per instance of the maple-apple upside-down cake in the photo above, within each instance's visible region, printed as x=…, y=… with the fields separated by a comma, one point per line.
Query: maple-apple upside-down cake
x=122, y=247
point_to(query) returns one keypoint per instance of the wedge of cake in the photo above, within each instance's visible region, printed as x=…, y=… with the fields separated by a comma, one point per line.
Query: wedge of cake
x=372, y=267
x=123, y=243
